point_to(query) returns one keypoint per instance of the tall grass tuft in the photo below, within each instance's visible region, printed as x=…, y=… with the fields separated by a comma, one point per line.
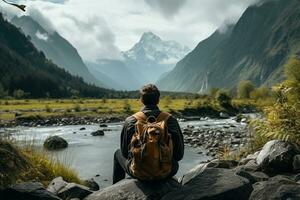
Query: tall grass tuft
x=21, y=164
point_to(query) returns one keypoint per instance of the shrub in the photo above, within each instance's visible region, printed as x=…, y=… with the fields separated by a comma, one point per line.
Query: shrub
x=262, y=92
x=283, y=118
x=244, y=89
x=224, y=99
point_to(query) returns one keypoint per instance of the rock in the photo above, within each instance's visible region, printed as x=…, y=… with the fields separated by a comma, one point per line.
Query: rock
x=276, y=157
x=253, y=177
x=213, y=183
x=248, y=158
x=226, y=164
x=82, y=129
x=73, y=190
x=92, y=185
x=28, y=191
x=224, y=115
x=103, y=126
x=244, y=120
x=134, y=189
x=56, y=185
x=296, y=163
x=276, y=188
x=55, y=143
x=98, y=133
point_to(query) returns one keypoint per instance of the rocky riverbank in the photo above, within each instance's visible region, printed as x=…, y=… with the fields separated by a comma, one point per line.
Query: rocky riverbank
x=227, y=136
x=269, y=174
x=35, y=121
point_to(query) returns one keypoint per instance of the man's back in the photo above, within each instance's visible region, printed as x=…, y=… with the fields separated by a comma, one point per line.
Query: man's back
x=173, y=129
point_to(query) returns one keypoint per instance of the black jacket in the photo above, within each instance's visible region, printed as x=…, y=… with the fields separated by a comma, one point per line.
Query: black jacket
x=173, y=128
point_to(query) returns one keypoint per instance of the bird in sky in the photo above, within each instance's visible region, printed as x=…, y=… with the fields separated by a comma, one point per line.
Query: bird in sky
x=20, y=6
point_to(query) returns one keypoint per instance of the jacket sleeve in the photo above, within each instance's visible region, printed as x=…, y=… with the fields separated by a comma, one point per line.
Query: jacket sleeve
x=177, y=138
x=126, y=135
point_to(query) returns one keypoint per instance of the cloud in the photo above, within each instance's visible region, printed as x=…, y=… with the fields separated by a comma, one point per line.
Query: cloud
x=167, y=7
x=41, y=19
x=100, y=29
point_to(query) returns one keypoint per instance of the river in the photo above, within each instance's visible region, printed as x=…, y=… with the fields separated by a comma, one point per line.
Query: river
x=92, y=157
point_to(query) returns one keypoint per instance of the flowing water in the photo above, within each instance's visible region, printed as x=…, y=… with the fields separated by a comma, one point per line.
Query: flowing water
x=92, y=157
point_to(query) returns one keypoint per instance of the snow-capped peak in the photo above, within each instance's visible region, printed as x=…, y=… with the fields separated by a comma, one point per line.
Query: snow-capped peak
x=153, y=49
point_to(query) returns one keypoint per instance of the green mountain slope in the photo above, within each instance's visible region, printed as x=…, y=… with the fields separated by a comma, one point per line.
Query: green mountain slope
x=23, y=67
x=56, y=48
x=255, y=48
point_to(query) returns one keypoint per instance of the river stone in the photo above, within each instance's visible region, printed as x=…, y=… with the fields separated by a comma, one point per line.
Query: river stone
x=55, y=143
x=276, y=188
x=98, y=133
x=56, y=185
x=213, y=183
x=133, y=189
x=28, y=191
x=73, y=190
x=276, y=157
x=91, y=183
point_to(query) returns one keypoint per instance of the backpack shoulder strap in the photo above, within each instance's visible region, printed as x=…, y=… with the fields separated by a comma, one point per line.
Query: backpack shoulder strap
x=140, y=116
x=163, y=116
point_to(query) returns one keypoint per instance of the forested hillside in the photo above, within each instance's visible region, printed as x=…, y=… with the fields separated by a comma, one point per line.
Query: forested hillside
x=255, y=48
x=26, y=71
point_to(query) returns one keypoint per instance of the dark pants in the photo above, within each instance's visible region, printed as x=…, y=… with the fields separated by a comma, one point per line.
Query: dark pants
x=121, y=167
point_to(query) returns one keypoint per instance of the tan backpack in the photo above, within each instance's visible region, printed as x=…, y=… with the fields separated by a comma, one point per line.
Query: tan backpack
x=151, y=147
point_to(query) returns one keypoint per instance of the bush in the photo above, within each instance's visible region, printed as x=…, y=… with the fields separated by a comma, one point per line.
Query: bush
x=224, y=99
x=262, y=92
x=244, y=89
x=283, y=118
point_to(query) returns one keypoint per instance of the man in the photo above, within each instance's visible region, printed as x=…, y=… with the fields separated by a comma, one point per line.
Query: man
x=149, y=96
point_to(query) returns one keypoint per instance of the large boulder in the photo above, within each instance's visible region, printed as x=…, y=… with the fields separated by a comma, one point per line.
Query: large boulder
x=133, y=189
x=213, y=183
x=276, y=157
x=27, y=191
x=55, y=143
x=276, y=188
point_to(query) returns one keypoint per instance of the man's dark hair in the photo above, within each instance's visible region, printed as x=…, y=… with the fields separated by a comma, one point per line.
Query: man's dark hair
x=150, y=94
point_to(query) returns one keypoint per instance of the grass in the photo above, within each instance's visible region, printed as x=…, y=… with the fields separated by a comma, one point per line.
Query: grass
x=21, y=164
x=84, y=107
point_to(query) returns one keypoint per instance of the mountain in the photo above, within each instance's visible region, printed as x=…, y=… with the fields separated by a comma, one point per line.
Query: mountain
x=152, y=56
x=255, y=48
x=56, y=48
x=144, y=63
x=115, y=74
x=23, y=67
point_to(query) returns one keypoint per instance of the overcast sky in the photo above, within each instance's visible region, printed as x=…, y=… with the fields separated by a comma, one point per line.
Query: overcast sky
x=103, y=28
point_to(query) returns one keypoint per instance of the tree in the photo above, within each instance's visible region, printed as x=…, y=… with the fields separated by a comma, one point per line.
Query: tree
x=244, y=89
